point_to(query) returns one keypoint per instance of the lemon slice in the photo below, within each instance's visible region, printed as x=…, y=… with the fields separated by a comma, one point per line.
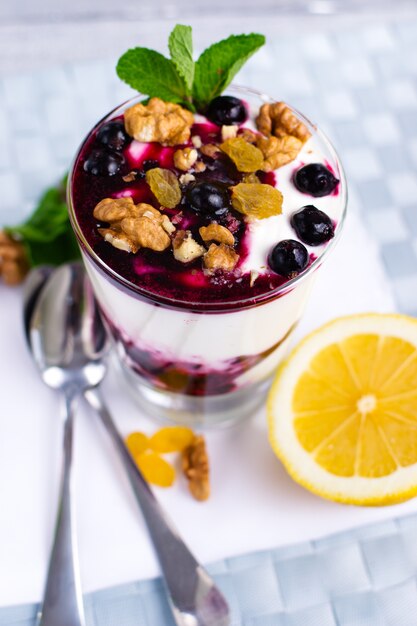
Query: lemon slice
x=342, y=410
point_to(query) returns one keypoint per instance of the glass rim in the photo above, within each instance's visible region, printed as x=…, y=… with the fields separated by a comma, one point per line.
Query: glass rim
x=221, y=306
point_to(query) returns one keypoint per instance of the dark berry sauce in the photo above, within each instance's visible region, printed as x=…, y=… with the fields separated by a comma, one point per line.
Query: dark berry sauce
x=159, y=273
x=189, y=377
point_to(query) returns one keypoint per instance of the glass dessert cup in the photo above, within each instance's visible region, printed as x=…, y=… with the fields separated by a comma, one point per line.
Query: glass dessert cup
x=201, y=363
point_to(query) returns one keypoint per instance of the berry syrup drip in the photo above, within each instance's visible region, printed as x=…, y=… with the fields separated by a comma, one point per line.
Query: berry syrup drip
x=159, y=272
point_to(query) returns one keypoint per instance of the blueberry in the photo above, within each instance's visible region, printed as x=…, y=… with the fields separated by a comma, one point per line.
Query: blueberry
x=315, y=179
x=226, y=110
x=113, y=135
x=207, y=198
x=312, y=225
x=288, y=258
x=103, y=163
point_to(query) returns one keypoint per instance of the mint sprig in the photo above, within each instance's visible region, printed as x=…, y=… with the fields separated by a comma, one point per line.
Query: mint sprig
x=218, y=65
x=47, y=234
x=152, y=74
x=179, y=79
x=180, y=46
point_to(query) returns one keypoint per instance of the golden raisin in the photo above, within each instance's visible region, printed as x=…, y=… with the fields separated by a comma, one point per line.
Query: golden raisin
x=137, y=443
x=244, y=155
x=155, y=469
x=164, y=186
x=171, y=439
x=257, y=200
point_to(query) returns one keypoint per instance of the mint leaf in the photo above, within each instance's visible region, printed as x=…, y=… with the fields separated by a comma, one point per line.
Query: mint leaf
x=218, y=65
x=152, y=74
x=180, y=45
x=47, y=234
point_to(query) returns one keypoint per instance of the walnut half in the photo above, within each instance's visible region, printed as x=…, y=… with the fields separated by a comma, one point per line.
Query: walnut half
x=185, y=158
x=133, y=226
x=277, y=119
x=164, y=122
x=220, y=257
x=195, y=465
x=13, y=260
x=216, y=232
x=278, y=151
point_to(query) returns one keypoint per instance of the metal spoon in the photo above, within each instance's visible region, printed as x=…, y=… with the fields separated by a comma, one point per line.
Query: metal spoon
x=67, y=348
x=194, y=598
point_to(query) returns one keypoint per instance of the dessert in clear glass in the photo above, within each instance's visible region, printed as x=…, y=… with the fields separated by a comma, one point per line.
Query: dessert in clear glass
x=202, y=237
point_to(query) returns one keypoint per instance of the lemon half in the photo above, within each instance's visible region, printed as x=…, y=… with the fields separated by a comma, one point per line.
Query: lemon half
x=342, y=410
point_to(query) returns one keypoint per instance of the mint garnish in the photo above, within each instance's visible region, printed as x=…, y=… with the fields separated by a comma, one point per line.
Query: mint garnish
x=47, y=234
x=218, y=65
x=180, y=45
x=152, y=74
x=181, y=80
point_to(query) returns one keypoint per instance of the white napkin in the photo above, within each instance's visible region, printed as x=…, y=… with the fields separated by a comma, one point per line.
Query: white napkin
x=254, y=503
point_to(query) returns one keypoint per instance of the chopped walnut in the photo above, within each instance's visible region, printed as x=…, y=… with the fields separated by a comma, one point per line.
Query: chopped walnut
x=133, y=226
x=114, y=209
x=186, y=248
x=13, y=260
x=277, y=119
x=129, y=177
x=184, y=159
x=248, y=135
x=167, y=225
x=164, y=122
x=196, y=468
x=210, y=150
x=216, y=232
x=253, y=276
x=119, y=240
x=186, y=178
x=278, y=151
x=228, y=132
x=196, y=141
x=220, y=257
x=200, y=166
x=146, y=233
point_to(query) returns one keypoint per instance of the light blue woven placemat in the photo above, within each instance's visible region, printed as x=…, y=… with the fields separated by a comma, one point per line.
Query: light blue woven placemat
x=361, y=87
x=362, y=577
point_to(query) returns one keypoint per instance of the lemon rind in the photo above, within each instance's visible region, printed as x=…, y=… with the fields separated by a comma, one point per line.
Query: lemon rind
x=397, y=487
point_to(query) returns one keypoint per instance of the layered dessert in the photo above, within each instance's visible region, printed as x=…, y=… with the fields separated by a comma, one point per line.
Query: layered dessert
x=201, y=234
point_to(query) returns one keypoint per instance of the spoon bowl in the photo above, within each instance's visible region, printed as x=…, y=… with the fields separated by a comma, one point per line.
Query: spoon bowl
x=67, y=337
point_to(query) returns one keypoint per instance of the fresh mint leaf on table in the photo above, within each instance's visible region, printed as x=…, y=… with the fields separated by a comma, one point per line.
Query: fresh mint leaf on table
x=179, y=79
x=181, y=50
x=47, y=234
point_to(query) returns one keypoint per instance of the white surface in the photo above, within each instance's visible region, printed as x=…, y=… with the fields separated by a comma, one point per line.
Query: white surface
x=254, y=503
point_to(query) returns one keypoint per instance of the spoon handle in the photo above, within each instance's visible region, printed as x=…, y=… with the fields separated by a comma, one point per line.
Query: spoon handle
x=195, y=601
x=62, y=601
